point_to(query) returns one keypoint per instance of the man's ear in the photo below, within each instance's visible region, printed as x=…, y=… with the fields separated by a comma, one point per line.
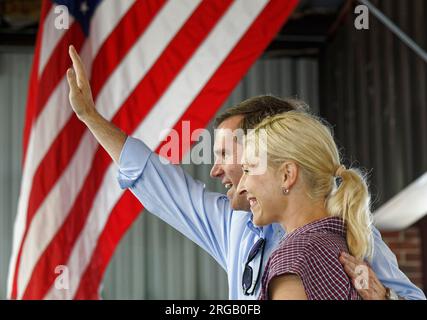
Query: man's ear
x=289, y=171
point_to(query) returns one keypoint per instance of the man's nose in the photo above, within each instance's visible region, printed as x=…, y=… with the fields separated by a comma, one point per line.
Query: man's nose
x=216, y=171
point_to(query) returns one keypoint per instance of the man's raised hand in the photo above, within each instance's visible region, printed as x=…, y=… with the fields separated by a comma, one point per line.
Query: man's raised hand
x=80, y=94
x=106, y=133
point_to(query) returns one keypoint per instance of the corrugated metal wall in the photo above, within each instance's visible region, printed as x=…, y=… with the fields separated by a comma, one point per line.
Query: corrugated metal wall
x=373, y=89
x=153, y=261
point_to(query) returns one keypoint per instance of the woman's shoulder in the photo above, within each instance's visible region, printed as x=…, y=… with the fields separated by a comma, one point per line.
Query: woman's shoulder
x=293, y=249
x=312, y=243
x=289, y=257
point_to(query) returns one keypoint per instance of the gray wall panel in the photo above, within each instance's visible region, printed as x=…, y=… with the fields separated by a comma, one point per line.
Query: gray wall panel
x=14, y=73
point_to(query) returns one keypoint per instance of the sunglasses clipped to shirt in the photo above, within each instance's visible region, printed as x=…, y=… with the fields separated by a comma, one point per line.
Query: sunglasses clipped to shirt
x=247, y=285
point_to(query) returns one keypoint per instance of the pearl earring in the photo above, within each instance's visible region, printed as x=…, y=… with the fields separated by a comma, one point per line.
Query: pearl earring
x=285, y=191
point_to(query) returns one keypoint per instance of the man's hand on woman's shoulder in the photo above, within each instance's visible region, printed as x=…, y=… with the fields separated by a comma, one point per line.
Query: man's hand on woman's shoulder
x=363, y=277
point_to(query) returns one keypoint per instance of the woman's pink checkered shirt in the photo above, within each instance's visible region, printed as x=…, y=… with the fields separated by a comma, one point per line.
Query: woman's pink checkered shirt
x=312, y=252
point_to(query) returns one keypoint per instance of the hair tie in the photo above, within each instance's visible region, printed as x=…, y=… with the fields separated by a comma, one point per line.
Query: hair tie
x=340, y=170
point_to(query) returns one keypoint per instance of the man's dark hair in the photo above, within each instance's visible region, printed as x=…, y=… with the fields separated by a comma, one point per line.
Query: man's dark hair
x=256, y=109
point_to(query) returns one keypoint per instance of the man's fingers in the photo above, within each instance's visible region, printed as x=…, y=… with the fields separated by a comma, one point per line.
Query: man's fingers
x=352, y=262
x=72, y=81
x=354, y=268
x=350, y=271
x=350, y=258
x=349, y=262
x=78, y=66
x=364, y=294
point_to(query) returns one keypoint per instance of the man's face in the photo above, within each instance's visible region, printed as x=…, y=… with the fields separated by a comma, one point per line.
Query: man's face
x=227, y=166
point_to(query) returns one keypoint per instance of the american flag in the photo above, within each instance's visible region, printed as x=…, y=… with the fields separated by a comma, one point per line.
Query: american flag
x=152, y=64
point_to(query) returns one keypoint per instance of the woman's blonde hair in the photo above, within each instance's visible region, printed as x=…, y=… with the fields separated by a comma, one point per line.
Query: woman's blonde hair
x=308, y=141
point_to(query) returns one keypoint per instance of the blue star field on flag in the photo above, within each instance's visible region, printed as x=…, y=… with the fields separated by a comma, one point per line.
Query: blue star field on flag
x=81, y=10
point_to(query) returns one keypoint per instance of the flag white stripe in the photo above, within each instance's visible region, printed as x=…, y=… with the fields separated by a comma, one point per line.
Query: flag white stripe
x=50, y=37
x=54, y=116
x=54, y=208
x=106, y=17
x=195, y=75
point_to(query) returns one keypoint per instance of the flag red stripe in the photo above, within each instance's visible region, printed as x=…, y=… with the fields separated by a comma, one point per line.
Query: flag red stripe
x=120, y=41
x=213, y=95
x=168, y=65
x=121, y=218
x=33, y=83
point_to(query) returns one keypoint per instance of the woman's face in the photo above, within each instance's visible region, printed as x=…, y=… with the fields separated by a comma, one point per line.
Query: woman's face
x=264, y=192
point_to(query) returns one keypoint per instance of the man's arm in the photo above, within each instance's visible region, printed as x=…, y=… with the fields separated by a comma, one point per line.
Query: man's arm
x=108, y=135
x=165, y=190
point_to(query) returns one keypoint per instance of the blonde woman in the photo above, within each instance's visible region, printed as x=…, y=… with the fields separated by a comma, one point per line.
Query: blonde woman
x=299, y=190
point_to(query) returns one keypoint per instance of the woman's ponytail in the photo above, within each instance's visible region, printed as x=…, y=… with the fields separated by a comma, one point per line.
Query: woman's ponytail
x=351, y=202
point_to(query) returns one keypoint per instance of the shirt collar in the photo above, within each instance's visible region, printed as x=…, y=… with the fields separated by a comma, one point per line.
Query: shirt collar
x=257, y=230
x=278, y=229
x=262, y=232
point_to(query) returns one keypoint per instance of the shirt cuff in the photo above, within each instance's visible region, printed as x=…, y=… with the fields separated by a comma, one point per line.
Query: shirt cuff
x=132, y=161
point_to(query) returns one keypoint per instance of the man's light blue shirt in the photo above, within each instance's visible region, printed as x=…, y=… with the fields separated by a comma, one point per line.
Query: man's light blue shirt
x=227, y=235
